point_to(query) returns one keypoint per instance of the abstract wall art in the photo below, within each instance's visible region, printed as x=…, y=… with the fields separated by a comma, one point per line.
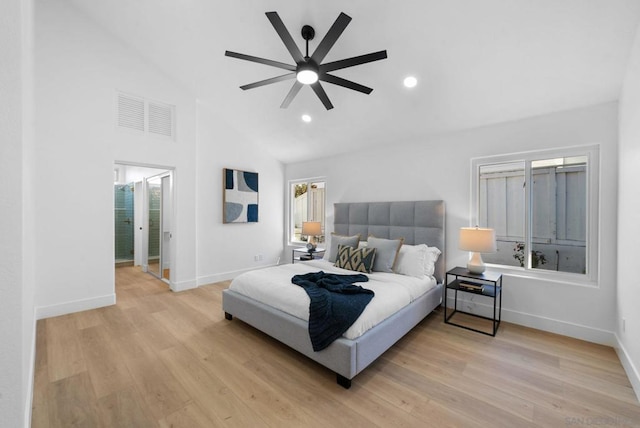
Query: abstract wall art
x=240, y=196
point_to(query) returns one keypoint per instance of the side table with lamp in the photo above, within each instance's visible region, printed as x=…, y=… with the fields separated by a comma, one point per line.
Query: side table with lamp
x=311, y=229
x=474, y=279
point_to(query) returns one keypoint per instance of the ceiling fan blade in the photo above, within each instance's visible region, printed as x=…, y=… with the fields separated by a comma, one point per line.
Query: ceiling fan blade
x=330, y=38
x=345, y=83
x=350, y=62
x=291, y=95
x=319, y=90
x=261, y=60
x=284, y=34
x=268, y=81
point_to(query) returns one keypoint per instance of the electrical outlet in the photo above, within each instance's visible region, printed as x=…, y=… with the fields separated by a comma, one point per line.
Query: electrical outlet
x=256, y=258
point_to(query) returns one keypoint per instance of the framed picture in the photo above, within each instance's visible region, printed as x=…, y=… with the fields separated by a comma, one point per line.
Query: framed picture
x=239, y=196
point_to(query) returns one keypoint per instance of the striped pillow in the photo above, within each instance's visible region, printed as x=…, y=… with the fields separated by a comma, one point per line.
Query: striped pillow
x=356, y=259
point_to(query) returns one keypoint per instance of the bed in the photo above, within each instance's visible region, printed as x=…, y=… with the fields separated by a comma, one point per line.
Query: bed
x=417, y=222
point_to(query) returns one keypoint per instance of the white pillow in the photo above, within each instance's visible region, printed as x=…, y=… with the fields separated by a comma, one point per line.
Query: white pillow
x=430, y=262
x=411, y=260
x=417, y=260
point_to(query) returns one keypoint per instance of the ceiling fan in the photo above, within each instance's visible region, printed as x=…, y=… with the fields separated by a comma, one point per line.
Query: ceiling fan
x=309, y=70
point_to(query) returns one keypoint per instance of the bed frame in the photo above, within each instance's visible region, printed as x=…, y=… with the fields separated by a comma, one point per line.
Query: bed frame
x=418, y=222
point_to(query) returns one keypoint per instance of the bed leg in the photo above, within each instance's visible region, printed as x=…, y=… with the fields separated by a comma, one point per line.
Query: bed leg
x=343, y=381
x=228, y=316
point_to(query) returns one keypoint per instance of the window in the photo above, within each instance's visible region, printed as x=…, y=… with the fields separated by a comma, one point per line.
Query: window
x=543, y=207
x=307, y=204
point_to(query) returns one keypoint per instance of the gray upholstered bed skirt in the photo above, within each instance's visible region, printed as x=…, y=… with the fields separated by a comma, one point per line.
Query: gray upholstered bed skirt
x=346, y=357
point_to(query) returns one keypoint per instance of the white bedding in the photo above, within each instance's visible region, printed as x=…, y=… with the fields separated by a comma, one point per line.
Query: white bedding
x=272, y=286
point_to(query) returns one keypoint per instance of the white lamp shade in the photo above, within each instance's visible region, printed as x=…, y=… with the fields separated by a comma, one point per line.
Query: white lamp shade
x=478, y=240
x=311, y=228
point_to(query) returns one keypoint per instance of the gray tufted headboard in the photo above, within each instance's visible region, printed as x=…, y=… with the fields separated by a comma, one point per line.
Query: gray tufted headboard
x=418, y=222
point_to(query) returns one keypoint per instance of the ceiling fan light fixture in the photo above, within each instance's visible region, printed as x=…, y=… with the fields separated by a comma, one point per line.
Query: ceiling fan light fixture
x=306, y=74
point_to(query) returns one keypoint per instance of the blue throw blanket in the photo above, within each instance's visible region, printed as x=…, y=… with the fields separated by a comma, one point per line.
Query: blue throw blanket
x=335, y=304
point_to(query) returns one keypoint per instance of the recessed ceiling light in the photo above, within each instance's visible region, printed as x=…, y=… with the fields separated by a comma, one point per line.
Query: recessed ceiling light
x=410, y=81
x=306, y=118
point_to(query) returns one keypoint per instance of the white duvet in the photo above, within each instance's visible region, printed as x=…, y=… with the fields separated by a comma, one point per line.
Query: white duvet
x=272, y=286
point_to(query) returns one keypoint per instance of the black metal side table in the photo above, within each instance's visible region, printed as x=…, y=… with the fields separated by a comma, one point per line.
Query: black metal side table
x=302, y=254
x=485, y=284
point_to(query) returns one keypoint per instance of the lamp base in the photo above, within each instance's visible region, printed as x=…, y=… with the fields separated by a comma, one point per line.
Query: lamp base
x=311, y=244
x=475, y=264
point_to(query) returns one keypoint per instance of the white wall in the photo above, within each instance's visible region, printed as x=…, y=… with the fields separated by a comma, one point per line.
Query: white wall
x=78, y=68
x=224, y=250
x=11, y=226
x=629, y=221
x=439, y=168
x=17, y=321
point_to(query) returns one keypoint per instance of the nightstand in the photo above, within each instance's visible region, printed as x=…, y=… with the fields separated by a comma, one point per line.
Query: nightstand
x=302, y=254
x=488, y=284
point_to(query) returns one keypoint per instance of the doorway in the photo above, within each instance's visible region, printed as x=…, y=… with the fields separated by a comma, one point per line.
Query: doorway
x=143, y=211
x=158, y=202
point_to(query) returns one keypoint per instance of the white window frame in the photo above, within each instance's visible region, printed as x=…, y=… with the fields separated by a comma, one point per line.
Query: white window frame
x=290, y=197
x=591, y=277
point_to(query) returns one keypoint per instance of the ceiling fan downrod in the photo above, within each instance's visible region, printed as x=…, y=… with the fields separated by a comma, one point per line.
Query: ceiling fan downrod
x=308, y=33
x=307, y=71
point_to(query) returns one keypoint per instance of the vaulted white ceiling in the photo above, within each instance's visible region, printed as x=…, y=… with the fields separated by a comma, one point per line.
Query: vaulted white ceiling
x=478, y=62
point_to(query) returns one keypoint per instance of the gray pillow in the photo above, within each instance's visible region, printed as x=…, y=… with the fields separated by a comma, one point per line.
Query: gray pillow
x=386, y=252
x=349, y=241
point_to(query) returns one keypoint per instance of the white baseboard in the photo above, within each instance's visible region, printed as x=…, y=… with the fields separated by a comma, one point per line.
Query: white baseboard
x=632, y=371
x=32, y=373
x=565, y=328
x=75, y=306
x=225, y=276
x=183, y=285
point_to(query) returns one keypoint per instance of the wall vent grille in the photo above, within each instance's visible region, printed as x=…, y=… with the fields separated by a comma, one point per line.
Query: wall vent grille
x=130, y=112
x=161, y=119
x=145, y=116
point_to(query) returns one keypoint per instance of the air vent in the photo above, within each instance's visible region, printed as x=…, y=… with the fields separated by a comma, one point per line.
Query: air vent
x=161, y=119
x=130, y=112
x=145, y=116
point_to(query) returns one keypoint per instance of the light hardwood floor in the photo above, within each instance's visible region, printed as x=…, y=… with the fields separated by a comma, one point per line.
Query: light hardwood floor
x=163, y=359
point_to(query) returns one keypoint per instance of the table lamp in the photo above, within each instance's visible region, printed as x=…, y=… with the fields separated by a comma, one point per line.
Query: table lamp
x=311, y=229
x=477, y=240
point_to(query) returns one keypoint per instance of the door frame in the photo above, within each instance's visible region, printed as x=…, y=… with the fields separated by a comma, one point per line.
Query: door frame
x=141, y=236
